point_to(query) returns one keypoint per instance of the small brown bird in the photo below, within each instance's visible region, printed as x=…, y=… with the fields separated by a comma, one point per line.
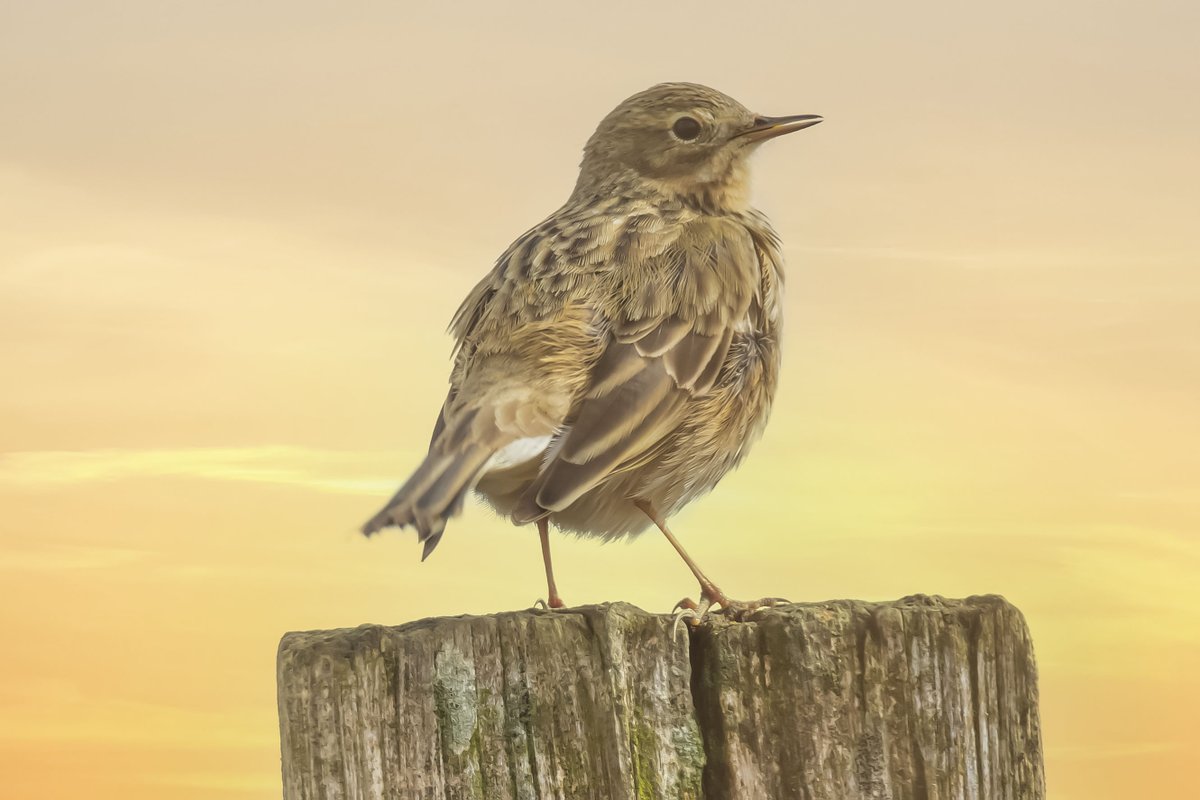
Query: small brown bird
x=621, y=356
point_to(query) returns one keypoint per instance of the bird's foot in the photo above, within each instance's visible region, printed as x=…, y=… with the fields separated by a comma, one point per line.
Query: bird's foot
x=553, y=604
x=692, y=613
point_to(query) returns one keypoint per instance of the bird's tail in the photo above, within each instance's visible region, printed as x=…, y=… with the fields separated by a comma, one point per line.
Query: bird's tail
x=433, y=494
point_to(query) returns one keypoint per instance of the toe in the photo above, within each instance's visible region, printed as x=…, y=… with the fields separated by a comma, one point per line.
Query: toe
x=686, y=603
x=741, y=610
x=682, y=618
x=690, y=612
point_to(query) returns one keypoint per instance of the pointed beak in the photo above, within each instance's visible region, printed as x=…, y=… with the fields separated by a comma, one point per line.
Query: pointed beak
x=769, y=127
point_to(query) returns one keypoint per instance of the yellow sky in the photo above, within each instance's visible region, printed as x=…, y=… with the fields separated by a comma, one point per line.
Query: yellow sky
x=230, y=239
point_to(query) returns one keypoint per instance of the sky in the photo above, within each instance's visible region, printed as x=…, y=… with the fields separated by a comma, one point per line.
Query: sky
x=232, y=235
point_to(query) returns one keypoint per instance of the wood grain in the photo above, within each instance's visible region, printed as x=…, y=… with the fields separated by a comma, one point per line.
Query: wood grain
x=920, y=698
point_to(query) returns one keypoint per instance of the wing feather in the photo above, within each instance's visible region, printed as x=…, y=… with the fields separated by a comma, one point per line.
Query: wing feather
x=602, y=423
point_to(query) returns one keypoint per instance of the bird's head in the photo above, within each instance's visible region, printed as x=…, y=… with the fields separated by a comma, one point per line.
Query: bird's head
x=682, y=139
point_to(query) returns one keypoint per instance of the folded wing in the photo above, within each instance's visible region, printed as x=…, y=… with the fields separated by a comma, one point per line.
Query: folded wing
x=672, y=320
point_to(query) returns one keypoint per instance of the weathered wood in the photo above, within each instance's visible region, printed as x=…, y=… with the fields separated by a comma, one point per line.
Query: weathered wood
x=588, y=703
x=921, y=698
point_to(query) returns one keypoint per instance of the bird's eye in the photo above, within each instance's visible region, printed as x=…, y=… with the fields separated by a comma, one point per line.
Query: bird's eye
x=686, y=129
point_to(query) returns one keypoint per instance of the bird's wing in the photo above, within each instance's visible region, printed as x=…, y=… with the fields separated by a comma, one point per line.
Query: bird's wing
x=672, y=319
x=525, y=339
x=526, y=334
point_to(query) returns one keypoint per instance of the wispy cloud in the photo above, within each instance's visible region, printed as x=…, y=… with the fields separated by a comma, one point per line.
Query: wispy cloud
x=321, y=470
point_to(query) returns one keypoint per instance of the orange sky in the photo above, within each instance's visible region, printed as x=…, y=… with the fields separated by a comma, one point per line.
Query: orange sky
x=230, y=239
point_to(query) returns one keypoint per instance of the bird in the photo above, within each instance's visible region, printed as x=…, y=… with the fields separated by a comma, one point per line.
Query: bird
x=622, y=355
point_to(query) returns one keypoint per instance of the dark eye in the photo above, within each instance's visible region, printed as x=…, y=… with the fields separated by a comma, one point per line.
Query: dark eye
x=686, y=128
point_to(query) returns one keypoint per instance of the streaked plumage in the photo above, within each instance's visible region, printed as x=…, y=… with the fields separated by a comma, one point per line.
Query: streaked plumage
x=624, y=351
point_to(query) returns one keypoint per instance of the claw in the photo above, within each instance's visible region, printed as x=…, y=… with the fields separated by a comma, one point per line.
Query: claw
x=688, y=612
x=554, y=604
x=679, y=621
x=686, y=603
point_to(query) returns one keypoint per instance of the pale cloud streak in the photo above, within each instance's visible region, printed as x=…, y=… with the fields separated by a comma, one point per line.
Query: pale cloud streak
x=320, y=470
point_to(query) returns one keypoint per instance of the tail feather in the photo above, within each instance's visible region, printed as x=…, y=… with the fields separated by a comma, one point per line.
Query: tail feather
x=433, y=494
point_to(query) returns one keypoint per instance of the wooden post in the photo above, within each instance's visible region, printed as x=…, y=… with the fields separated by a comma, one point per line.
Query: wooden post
x=922, y=698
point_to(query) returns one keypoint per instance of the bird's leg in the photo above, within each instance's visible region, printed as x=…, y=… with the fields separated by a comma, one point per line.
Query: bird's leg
x=552, y=599
x=710, y=594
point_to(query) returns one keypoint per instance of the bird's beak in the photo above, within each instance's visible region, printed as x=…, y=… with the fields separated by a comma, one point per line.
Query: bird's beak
x=769, y=127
